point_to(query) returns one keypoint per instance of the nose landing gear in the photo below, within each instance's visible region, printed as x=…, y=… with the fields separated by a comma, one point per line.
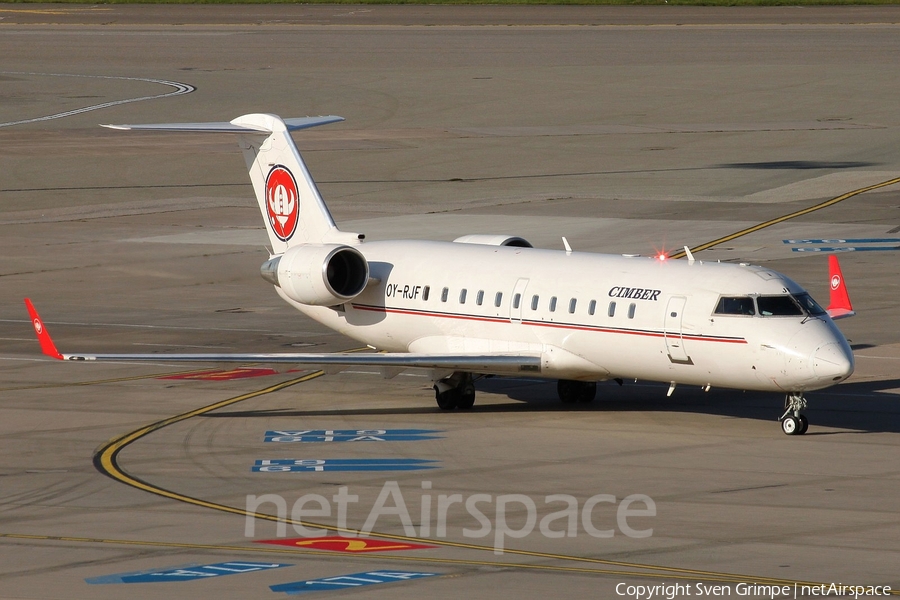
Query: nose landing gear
x=792, y=422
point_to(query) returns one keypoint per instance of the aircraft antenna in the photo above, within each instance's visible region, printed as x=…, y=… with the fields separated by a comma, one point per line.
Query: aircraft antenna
x=690, y=257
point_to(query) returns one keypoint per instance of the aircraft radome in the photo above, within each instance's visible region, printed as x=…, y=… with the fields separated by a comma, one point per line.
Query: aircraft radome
x=494, y=305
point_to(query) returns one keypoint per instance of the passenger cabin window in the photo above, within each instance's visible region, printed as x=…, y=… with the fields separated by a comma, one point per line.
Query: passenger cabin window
x=778, y=306
x=516, y=300
x=572, y=303
x=631, y=309
x=462, y=296
x=425, y=292
x=612, y=309
x=444, y=294
x=592, y=307
x=735, y=306
x=479, y=298
x=498, y=299
x=553, y=304
x=534, y=301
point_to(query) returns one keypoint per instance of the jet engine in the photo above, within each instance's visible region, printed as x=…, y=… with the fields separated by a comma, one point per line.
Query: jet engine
x=494, y=240
x=318, y=275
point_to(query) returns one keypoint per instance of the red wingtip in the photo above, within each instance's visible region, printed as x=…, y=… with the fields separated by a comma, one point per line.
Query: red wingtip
x=43, y=336
x=839, y=304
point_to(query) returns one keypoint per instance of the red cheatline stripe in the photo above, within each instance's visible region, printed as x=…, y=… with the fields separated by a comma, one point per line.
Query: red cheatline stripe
x=594, y=328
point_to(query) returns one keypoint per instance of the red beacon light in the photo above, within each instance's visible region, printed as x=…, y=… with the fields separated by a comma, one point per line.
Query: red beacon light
x=660, y=253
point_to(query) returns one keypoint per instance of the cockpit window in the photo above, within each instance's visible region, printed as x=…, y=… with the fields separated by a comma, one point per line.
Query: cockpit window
x=778, y=306
x=810, y=305
x=735, y=306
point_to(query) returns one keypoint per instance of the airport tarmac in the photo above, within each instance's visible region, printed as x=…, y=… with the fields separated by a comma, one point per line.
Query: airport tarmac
x=625, y=129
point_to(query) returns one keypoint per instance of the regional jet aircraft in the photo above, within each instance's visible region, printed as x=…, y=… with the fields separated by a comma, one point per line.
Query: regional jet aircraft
x=494, y=305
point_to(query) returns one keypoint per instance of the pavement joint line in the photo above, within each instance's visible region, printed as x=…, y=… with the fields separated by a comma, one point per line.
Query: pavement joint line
x=112, y=380
x=787, y=217
x=105, y=461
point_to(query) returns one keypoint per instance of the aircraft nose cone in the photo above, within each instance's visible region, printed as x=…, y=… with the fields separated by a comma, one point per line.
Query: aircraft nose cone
x=833, y=362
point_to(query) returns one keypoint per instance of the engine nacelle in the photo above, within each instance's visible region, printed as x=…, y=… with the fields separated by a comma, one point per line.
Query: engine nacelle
x=318, y=275
x=494, y=240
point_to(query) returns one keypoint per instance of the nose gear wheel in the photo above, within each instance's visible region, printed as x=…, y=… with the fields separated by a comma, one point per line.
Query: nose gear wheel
x=792, y=422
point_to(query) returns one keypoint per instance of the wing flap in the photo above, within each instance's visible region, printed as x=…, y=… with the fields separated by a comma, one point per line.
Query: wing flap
x=482, y=363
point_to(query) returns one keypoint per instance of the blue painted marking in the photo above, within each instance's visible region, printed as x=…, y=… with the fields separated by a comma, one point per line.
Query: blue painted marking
x=846, y=241
x=352, y=435
x=317, y=465
x=847, y=249
x=186, y=573
x=343, y=582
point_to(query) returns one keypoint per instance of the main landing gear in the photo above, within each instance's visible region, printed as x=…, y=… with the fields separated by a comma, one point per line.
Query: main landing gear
x=456, y=391
x=576, y=391
x=792, y=422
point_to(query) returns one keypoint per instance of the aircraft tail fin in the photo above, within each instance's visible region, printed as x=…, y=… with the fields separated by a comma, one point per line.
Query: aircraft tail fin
x=292, y=207
x=839, y=305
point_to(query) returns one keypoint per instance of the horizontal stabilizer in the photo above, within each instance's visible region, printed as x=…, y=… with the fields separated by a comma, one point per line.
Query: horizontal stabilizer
x=229, y=127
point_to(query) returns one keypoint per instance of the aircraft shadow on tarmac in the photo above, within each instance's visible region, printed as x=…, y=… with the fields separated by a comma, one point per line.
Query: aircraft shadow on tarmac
x=796, y=164
x=866, y=406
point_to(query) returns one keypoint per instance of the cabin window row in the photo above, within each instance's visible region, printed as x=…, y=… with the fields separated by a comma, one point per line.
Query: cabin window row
x=463, y=295
x=535, y=301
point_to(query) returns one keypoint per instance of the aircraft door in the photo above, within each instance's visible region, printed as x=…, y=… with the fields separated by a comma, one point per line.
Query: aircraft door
x=516, y=300
x=674, y=340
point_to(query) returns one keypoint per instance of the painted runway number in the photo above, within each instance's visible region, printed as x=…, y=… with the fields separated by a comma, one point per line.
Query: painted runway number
x=344, y=582
x=186, y=573
x=318, y=465
x=351, y=435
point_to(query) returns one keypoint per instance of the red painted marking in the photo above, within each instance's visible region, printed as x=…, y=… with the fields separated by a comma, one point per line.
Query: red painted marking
x=220, y=375
x=282, y=202
x=343, y=544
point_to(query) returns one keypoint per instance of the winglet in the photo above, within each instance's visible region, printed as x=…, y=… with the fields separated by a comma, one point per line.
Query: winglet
x=43, y=336
x=839, y=305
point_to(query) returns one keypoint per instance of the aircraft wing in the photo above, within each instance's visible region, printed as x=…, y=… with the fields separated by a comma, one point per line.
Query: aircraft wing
x=480, y=363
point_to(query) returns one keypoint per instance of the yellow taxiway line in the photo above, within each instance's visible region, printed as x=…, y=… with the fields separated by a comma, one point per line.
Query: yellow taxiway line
x=106, y=461
x=783, y=218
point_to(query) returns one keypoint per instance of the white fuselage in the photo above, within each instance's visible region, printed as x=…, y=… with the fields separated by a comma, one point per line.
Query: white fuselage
x=589, y=316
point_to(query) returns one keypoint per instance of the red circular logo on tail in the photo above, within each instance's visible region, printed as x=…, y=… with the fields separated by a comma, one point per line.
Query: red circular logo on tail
x=282, y=202
x=835, y=282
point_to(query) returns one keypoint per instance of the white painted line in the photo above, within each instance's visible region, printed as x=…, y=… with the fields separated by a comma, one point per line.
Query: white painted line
x=180, y=89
